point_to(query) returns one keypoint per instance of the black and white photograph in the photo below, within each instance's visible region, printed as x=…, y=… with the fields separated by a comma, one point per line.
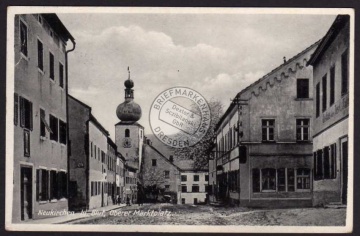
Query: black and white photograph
x=129, y=119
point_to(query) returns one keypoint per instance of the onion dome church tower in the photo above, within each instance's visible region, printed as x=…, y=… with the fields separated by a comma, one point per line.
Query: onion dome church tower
x=129, y=134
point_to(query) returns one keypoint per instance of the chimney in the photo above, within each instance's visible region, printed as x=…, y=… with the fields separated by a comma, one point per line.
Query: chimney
x=148, y=141
x=284, y=59
x=171, y=158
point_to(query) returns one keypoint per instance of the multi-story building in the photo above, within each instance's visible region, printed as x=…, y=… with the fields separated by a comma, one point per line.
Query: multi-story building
x=264, y=139
x=131, y=181
x=87, y=161
x=194, y=183
x=120, y=177
x=111, y=159
x=331, y=114
x=159, y=171
x=40, y=116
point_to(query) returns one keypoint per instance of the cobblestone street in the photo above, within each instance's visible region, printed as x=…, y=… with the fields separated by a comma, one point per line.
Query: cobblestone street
x=167, y=214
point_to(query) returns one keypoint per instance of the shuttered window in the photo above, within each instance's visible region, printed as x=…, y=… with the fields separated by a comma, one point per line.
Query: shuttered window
x=26, y=113
x=54, y=128
x=16, y=109
x=62, y=132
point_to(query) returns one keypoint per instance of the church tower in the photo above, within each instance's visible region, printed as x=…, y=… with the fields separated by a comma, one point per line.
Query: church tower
x=129, y=134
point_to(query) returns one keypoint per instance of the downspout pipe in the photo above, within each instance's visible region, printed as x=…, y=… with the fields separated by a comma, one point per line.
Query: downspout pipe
x=67, y=113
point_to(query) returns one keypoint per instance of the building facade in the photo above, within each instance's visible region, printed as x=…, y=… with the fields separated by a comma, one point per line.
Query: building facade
x=160, y=171
x=331, y=114
x=120, y=177
x=111, y=171
x=264, y=139
x=194, y=184
x=40, y=116
x=131, y=181
x=87, y=161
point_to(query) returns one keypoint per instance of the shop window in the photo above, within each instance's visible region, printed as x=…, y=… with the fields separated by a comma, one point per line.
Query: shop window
x=268, y=126
x=291, y=180
x=53, y=185
x=42, y=183
x=326, y=158
x=303, y=178
x=24, y=39
x=268, y=179
x=302, y=129
x=256, y=180
x=281, y=180
x=318, y=165
x=302, y=88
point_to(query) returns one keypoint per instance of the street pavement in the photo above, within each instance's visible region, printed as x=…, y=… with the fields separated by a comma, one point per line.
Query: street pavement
x=168, y=214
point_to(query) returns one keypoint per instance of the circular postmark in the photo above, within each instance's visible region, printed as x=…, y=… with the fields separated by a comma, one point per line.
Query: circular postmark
x=180, y=117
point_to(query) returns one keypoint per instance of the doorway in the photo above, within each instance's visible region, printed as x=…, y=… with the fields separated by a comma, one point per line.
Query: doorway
x=26, y=193
x=344, y=158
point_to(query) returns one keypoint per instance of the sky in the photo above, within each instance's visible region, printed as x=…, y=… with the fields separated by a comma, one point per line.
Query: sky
x=217, y=55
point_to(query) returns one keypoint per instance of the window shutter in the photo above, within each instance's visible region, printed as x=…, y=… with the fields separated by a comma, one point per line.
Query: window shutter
x=16, y=108
x=37, y=184
x=22, y=112
x=31, y=115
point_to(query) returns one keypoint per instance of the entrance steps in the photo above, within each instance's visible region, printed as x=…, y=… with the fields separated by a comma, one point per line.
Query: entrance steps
x=335, y=205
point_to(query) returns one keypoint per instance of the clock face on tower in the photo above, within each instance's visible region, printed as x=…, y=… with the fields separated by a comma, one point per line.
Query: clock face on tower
x=127, y=142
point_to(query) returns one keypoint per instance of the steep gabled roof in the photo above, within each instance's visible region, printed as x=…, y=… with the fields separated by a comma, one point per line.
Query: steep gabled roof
x=161, y=155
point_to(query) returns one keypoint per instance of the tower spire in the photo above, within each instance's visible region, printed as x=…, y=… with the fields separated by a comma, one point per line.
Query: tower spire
x=129, y=72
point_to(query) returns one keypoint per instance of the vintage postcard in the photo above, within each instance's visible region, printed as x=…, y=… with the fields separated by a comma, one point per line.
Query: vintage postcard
x=180, y=119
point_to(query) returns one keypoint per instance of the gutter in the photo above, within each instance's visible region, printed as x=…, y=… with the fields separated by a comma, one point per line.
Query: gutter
x=67, y=113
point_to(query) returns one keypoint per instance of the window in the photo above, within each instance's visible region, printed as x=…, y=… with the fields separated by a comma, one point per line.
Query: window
x=54, y=128
x=40, y=55
x=42, y=181
x=302, y=129
x=182, y=200
x=195, y=188
x=183, y=178
x=61, y=75
x=324, y=92
x=206, y=177
x=302, y=88
x=291, y=180
x=26, y=143
x=153, y=162
x=51, y=64
x=326, y=158
x=95, y=151
x=91, y=149
x=332, y=85
x=268, y=129
x=344, y=73
x=127, y=133
x=62, y=184
x=167, y=174
x=62, y=132
x=256, y=180
x=42, y=123
x=196, y=177
x=53, y=185
x=103, y=157
x=333, y=161
x=318, y=162
x=26, y=114
x=303, y=178
x=268, y=179
x=23, y=39
x=16, y=108
x=318, y=100
x=167, y=187
x=281, y=180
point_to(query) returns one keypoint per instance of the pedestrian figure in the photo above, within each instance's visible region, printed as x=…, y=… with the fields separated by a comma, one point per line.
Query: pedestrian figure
x=119, y=199
x=127, y=201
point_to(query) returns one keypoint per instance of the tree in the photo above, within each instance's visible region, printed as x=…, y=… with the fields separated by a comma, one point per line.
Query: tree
x=202, y=150
x=153, y=178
